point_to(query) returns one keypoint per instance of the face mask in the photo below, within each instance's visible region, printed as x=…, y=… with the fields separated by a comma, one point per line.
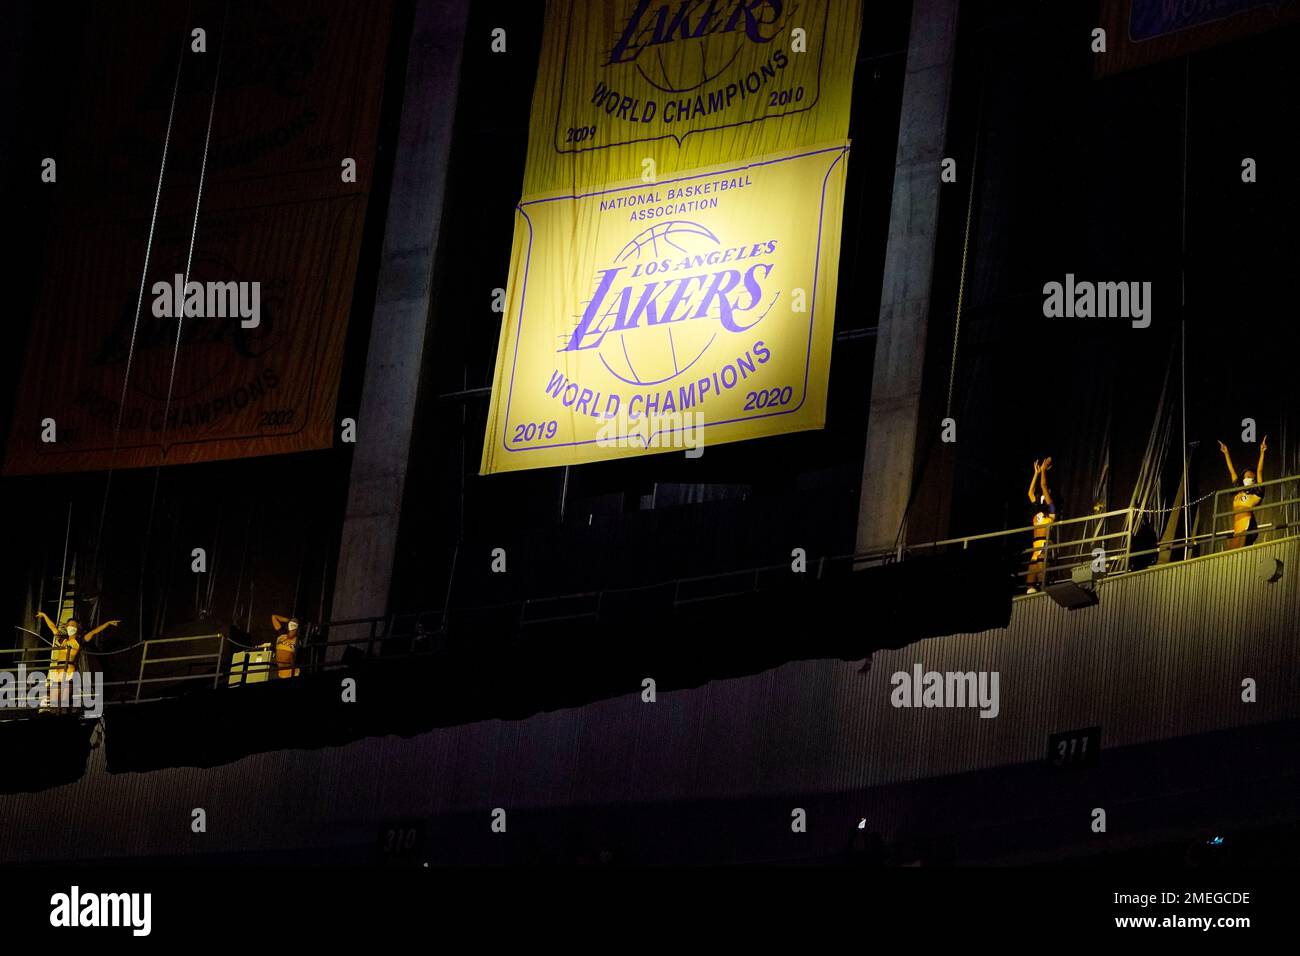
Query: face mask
x=1248, y=481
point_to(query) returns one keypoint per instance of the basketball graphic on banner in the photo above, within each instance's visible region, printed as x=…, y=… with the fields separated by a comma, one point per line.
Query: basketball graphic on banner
x=672, y=276
x=715, y=55
x=663, y=351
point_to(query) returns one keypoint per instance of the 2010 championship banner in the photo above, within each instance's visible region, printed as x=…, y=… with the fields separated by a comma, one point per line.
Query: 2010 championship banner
x=672, y=279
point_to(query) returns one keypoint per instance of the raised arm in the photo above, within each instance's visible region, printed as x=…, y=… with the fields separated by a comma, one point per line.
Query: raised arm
x=278, y=621
x=1033, y=481
x=1042, y=480
x=48, y=623
x=107, y=624
x=1232, y=472
x=1259, y=469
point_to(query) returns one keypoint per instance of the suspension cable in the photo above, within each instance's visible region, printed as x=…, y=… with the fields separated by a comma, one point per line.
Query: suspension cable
x=139, y=303
x=63, y=568
x=1182, y=296
x=961, y=286
x=965, y=245
x=180, y=319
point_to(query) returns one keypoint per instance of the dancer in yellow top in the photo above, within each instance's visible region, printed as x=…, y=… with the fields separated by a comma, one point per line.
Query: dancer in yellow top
x=1244, y=501
x=286, y=645
x=67, y=645
x=1044, y=513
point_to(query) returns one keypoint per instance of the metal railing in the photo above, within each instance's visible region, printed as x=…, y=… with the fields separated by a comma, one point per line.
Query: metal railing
x=1065, y=544
x=185, y=662
x=1269, y=518
x=1104, y=538
x=31, y=657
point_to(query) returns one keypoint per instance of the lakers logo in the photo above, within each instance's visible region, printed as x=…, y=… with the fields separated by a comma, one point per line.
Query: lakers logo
x=717, y=32
x=670, y=68
x=668, y=296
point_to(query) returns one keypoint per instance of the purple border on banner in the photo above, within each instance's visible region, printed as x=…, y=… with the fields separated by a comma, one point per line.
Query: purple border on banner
x=812, y=309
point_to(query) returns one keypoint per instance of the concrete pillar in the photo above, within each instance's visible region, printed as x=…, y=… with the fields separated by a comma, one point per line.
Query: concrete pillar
x=892, y=428
x=392, y=377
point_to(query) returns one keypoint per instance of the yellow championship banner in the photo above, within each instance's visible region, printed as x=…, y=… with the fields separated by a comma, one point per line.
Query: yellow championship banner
x=171, y=340
x=685, y=84
x=672, y=279
x=645, y=317
x=229, y=386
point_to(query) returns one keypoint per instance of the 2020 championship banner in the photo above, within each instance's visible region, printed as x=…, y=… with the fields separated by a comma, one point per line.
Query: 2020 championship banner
x=672, y=278
x=703, y=312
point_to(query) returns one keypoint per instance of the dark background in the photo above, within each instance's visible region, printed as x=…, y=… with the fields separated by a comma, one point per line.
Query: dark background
x=1101, y=178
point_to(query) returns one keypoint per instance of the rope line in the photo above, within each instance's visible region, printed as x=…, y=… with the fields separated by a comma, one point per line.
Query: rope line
x=144, y=277
x=194, y=228
x=180, y=319
x=961, y=286
x=1182, y=288
x=63, y=568
x=965, y=245
x=1172, y=508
